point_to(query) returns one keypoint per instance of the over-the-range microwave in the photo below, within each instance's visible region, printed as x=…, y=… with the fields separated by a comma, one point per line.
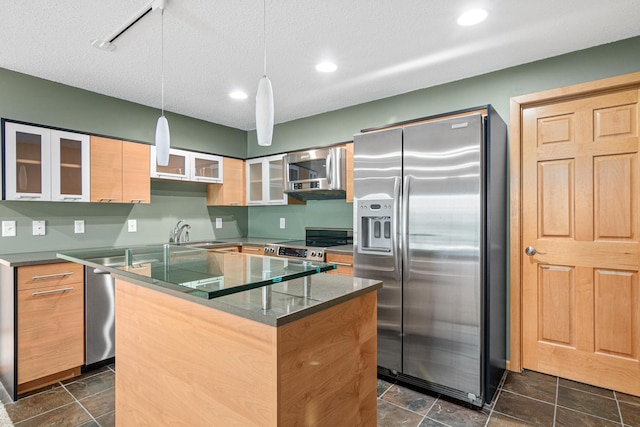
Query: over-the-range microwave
x=315, y=174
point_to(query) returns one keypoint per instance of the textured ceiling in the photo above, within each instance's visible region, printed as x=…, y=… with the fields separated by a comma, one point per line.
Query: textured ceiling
x=382, y=47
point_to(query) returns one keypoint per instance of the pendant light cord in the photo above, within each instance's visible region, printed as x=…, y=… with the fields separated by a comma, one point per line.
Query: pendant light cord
x=162, y=57
x=264, y=33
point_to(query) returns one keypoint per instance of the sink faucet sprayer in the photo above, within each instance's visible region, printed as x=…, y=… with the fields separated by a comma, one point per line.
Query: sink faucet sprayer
x=177, y=232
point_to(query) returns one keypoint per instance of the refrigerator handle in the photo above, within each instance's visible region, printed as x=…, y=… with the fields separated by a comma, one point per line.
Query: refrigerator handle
x=397, y=259
x=405, y=226
x=329, y=170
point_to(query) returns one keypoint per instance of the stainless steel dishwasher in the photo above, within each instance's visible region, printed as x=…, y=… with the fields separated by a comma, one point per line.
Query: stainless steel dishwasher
x=99, y=316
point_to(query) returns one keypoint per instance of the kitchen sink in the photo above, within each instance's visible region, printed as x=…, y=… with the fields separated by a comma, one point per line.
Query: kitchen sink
x=208, y=244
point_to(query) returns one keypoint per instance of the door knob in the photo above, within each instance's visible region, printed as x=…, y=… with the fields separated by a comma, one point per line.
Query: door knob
x=531, y=251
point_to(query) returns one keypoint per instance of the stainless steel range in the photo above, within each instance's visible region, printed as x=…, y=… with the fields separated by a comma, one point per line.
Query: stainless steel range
x=314, y=245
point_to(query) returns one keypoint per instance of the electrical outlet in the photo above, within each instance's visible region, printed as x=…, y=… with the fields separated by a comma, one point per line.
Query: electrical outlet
x=78, y=226
x=39, y=228
x=281, y=222
x=8, y=228
x=132, y=225
x=218, y=222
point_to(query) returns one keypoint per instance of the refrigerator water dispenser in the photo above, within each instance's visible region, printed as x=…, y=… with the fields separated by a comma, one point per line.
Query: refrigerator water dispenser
x=376, y=226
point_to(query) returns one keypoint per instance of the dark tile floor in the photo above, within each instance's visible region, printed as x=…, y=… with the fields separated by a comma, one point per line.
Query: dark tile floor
x=527, y=399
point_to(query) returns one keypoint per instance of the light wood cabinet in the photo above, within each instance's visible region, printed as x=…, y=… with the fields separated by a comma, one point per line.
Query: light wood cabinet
x=136, y=184
x=46, y=165
x=344, y=263
x=50, y=330
x=119, y=171
x=349, y=174
x=252, y=250
x=232, y=191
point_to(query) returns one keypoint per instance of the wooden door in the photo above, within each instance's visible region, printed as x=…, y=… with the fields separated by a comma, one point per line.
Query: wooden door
x=106, y=170
x=580, y=211
x=136, y=180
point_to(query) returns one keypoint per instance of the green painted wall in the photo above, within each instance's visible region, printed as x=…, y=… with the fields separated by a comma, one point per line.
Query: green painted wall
x=106, y=224
x=34, y=100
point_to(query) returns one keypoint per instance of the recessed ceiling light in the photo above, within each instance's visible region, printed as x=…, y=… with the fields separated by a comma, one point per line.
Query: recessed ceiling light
x=472, y=17
x=326, y=67
x=238, y=94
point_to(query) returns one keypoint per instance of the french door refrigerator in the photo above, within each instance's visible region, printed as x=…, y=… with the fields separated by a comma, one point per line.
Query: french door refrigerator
x=430, y=221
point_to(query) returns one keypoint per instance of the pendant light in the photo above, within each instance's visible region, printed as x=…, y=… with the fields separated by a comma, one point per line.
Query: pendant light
x=264, y=96
x=163, y=138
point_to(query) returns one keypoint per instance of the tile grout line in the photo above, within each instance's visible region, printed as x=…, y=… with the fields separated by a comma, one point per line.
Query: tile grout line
x=81, y=405
x=555, y=404
x=615, y=395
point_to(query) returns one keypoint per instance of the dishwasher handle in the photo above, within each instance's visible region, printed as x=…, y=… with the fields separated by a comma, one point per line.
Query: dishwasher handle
x=98, y=271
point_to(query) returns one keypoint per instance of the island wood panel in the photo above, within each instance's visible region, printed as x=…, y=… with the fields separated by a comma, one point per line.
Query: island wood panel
x=184, y=364
x=136, y=169
x=327, y=366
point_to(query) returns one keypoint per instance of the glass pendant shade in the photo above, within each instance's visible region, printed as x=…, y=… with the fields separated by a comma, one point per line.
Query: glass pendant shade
x=264, y=112
x=163, y=141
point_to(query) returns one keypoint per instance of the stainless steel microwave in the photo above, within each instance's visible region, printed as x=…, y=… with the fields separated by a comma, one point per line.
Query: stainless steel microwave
x=316, y=174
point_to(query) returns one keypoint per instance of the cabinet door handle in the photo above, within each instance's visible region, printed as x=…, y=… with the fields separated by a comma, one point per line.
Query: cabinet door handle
x=55, y=291
x=106, y=199
x=251, y=249
x=29, y=197
x=234, y=203
x=50, y=276
x=137, y=200
x=344, y=264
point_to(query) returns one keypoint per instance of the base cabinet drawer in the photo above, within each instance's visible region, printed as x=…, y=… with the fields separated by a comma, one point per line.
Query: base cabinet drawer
x=50, y=330
x=344, y=263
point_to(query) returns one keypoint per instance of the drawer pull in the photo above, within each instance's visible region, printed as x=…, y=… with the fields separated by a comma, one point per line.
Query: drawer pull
x=344, y=264
x=137, y=200
x=55, y=291
x=107, y=199
x=50, y=276
x=251, y=249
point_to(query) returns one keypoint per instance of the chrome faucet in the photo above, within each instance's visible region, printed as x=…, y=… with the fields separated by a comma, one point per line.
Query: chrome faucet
x=179, y=229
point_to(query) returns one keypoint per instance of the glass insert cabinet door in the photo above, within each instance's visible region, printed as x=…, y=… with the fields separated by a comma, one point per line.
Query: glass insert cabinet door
x=178, y=167
x=46, y=164
x=28, y=165
x=276, y=181
x=265, y=181
x=254, y=181
x=206, y=168
x=70, y=162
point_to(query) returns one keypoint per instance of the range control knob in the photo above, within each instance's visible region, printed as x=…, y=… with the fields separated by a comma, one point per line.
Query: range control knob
x=313, y=254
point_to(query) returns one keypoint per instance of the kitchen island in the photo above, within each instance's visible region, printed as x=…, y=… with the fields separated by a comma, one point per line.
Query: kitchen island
x=213, y=338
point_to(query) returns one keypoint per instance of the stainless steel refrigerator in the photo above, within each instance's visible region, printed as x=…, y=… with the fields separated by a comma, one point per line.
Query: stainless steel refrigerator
x=430, y=221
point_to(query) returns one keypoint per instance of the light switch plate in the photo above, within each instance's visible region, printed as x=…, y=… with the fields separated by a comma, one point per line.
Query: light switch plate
x=39, y=228
x=218, y=222
x=281, y=222
x=78, y=226
x=132, y=225
x=8, y=228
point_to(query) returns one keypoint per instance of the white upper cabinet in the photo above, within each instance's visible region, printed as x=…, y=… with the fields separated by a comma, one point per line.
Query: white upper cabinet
x=265, y=181
x=70, y=160
x=188, y=166
x=45, y=164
